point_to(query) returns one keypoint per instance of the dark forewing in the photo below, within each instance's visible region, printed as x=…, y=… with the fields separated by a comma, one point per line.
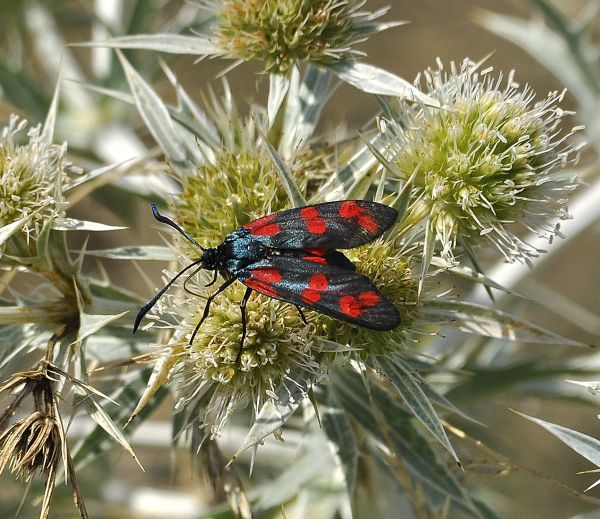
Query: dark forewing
x=328, y=289
x=333, y=225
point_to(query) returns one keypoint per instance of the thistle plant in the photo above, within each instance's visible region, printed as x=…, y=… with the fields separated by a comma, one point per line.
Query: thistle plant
x=468, y=159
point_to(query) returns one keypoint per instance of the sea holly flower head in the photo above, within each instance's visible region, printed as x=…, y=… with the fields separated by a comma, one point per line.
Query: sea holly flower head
x=30, y=169
x=488, y=162
x=282, y=33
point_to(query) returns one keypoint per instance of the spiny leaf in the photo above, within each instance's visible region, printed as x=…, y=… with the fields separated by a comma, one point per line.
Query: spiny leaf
x=582, y=444
x=304, y=104
x=73, y=224
x=374, y=80
x=171, y=43
x=156, y=116
x=278, y=88
x=416, y=400
x=285, y=175
x=489, y=322
x=276, y=411
x=339, y=432
x=139, y=252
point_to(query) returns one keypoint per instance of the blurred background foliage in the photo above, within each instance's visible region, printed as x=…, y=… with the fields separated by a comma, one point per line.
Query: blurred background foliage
x=550, y=45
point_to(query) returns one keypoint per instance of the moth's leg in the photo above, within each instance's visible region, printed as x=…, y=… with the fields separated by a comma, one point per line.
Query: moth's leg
x=301, y=314
x=190, y=276
x=209, y=300
x=213, y=279
x=243, y=310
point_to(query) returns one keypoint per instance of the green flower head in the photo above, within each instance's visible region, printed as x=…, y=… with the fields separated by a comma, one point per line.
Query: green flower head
x=487, y=162
x=282, y=33
x=30, y=171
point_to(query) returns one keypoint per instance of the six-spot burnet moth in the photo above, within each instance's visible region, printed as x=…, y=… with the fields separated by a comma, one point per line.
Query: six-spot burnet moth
x=292, y=256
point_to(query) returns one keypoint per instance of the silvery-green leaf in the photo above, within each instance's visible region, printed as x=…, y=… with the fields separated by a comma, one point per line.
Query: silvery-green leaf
x=470, y=275
x=402, y=201
x=72, y=224
x=432, y=394
x=48, y=128
x=46, y=312
x=428, y=249
x=156, y=116
x=171, y=43
x=406, y=441
x=489, y=322
x=91, y=323
x=110, y=92
x=20, y=337
x=409, y=388
x=93, y=175
x=127, y=394
x=278, y=88
x=358, y=165
x=304, y=107
x=325, y=345
x=472, y=255
x=285, y=175
x=299, y=474
x=139, y=252
x=276, y=411
x=582, y=444
x=157, y=379
x=375, y=80
x=6, y=231
x=339, y=432
x=359, y=189
x=548, y=47
x=101, y=417
x=200, y=125
x=592, y=386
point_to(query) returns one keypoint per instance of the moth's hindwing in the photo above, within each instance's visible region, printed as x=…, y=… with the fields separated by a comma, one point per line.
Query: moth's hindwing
x=325, y=288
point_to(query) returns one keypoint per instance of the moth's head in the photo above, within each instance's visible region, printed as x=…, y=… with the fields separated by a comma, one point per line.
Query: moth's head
x=209, y=259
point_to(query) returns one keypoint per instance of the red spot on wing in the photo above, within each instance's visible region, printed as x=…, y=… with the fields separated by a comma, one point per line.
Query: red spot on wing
x=317, y=284
x=350, y=306
x=261, y=287
x=314, y=223
x=315, y=259
x=368, y=223
x=350, y=209
x=266, y=275
x=355, y=306
x=262, y=280
x=317, y=251
x=369, y=299
x=263, y=226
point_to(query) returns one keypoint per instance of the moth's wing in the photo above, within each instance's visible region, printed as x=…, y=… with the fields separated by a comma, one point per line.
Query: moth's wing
x=328, y=289
x=333, y=225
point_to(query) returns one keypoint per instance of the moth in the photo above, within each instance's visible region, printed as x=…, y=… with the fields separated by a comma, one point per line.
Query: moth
x=293, y=256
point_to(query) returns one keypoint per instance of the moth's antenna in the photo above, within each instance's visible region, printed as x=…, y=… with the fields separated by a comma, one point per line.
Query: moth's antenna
x=164, y=219
x=148, y=306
